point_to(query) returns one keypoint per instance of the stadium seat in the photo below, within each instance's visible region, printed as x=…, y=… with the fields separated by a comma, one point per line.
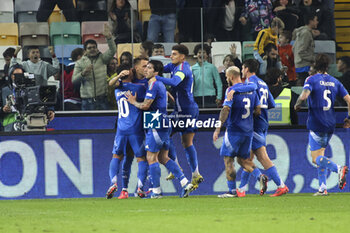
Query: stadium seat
x=44, y=53
x=8, y=34
x=69, y=30
x=190, y=46
x=93, y=30
x=167, y=48
x=327, y=47
x=95, y=10
x=144, y=10
x=6, y=11
x=247, y=50
x=220, y=49
x=128, y=47
x=25, y=11
x=63, y=52
x=34, y=34
x=2, y=60
x=56, y=16
x=332, y=70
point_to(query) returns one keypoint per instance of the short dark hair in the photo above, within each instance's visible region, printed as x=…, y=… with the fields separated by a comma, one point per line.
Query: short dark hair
x=232, y=58
x=157, y=46
x=182, y=49
x=252, y=65
x=157, y=66
x=346, y=61
x=139, y=59
x=8, y=52
x=32, y=47
x=89, y=42
x=198, y=47
x=128, y=55
x=272, y=75
x=287, y=35
x=321, y=62
x=123, y=67
x=76, y=53
x=308, y=17
x=269, y=47
x=147, y=46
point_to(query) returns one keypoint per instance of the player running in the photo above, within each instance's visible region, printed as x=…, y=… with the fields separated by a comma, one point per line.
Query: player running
x=185, y=107
x=157, y=140
x=261, y=124
x=321, y=91
x=239, y=132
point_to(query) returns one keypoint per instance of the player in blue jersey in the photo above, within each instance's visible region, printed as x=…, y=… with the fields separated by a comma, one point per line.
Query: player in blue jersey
x=261, y=124
x=157, y=139
x=321, y=91
x=239, y=132
x=129, y=136
x=186, y=108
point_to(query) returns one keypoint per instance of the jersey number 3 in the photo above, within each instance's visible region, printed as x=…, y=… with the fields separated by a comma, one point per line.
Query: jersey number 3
x=247, y=107
x=123, y=108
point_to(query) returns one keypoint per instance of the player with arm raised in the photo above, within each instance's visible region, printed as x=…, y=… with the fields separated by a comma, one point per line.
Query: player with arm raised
x=321, y=91
x=157, y=139
x=261, y=124
x=239, y=132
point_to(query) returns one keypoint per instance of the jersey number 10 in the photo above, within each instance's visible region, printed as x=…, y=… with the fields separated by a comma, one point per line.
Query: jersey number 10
x=123, y=108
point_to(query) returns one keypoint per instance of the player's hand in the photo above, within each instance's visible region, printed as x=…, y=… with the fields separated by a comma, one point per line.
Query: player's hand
x=52, y=51
x=51, y=115
x=243, y=20
x=106, y=31
x=130, y=98
x=6, y=109
x=233, y=50
x=87, y=70
x=124, y=73
x=18, y=48
x=170, y=97
x=216, y=135
x=230, y=95
x=346, y=123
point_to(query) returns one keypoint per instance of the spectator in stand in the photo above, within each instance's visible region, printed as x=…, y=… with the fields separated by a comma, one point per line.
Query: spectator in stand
x=146, y=49
x=269, y=61
x=259, y=12
x=163, y=19
x=7, y=54
x=343, y=67
x=90, y=71
x=304, y=47
x=285, y=51
x=42, y=70
x=267, y=36
x=120, y=15
x=287, y=12
x=125, y=59
x=204, y=85
x=47, y=6
x=111, y=73
x=158, y=54
x=189, y=20
x=324, y=30
x=72, y=100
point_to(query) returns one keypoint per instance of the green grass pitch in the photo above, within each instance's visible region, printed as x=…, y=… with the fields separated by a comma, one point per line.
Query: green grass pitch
x=289, y=213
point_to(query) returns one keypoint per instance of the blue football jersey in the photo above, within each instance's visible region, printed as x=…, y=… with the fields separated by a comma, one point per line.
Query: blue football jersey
x=182, y=91
x=129, y=117
x=324, y=90
x=157, y=91
x=240, y=119
x=261, y=123
x=143, y=82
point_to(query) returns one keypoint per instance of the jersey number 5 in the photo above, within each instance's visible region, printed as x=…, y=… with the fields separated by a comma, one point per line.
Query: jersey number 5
x=123, y=108
x=327, y=99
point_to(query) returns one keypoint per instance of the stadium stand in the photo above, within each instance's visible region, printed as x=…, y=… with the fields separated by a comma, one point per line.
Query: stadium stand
x=93, y=30
x=135, y=49
x=25, y=11
x=92, y=10
x=342, y=22
x=247, y=50
x=8, y=34
x=56, y=16
x=2, y=60
x=34, y=34
x=220, y=49
x=6, y=11
x=167, y=48
x=63, y=52
x=144, y=10
x=69, y=30
x=327, y=47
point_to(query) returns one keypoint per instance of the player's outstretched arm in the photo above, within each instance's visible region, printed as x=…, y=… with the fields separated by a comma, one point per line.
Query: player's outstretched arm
x=173, y=81
x=347, y=119
x=303, y=96
x=225, y=111
x=145, y=105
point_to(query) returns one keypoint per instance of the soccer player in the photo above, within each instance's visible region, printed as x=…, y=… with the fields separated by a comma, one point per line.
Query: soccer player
x=239, y=133
x=157, y=140
x=261, y=124
x=129, y=135
x=181, y=82
x=321, y=91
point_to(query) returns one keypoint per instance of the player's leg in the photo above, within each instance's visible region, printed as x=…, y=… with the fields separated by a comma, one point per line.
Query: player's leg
x=141, y=175
x=173, y=156
x=245, y=176
x=155, y=173
x=126, y=170
x=230, y=177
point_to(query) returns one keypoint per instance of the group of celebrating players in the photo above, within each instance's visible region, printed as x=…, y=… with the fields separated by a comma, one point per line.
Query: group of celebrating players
x=245, y=111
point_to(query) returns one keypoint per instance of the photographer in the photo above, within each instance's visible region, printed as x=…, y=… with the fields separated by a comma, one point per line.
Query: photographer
x=8, y=112
x=41, y=69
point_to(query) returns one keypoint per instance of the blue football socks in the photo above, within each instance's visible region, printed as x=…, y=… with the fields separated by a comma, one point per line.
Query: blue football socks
x=191, y=155
x=174, y=168
x=142, y=173
x=324, y=162
x=245, y=176
x=273, y=174
x=231, y=184
x=155, y=172
x=126, y=170
x=113, y=170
